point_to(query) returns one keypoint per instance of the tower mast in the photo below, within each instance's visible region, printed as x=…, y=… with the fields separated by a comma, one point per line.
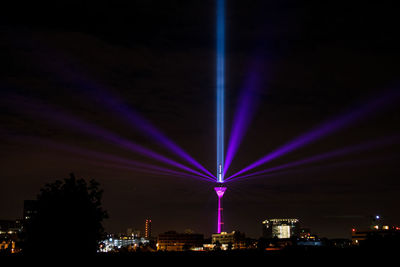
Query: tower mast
x=220, y=193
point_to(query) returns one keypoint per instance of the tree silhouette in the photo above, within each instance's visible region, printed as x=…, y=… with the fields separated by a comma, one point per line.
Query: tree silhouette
x=68, y=219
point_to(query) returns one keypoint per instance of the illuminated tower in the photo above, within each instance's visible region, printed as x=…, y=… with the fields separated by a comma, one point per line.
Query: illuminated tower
x=220, y=193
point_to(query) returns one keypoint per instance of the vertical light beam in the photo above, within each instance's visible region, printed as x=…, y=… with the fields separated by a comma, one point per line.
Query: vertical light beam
x=220, y=87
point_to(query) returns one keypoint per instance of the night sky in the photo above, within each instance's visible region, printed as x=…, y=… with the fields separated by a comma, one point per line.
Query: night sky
x=315, y=61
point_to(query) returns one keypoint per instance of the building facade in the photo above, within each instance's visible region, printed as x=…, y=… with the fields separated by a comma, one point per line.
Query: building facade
x=281, y=228
x=236, y=239
x=173, y=241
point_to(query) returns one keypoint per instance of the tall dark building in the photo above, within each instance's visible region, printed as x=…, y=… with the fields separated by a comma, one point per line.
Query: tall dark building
x=30, y=209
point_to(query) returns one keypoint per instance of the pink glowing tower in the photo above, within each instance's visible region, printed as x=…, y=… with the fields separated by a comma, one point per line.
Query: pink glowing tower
x=220, y=193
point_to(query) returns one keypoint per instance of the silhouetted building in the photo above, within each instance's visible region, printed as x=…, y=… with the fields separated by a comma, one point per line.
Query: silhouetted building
x=305, y=233
x=280, y=228
x=377, y=232
x=173, y=241
x=340, y=243
x=133, y=232
x=30, y=209
x=360, y=237
x=147, y=229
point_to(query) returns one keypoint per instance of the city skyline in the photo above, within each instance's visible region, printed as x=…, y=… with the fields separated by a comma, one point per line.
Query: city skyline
x=311, y=112
x=374, y=222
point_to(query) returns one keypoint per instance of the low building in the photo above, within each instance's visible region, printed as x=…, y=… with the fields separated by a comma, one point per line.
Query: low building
x=235, y=239
x=173, y=241
x=305, y=233
x=359, y=237
x=10, y=226
x=340, y=243
x=113, y=243
x=309, y=243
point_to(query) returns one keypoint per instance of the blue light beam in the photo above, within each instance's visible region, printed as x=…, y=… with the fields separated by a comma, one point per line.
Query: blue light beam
x=220, y=87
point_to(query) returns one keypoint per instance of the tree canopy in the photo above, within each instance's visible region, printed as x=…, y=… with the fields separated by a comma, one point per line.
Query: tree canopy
x=68, y=218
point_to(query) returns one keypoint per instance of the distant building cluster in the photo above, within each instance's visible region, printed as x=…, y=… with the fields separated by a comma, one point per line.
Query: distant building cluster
x=11, y=231
x=129, y=241
x=173, y=241
x=10, y=235
x=277, y=234
x=115, y=243
x=377, y=231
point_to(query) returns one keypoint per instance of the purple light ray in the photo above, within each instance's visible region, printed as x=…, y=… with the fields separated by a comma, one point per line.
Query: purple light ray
x=139, y=166
x=171, y=173
x=325, y=129
x=90, y=129
x=243, y=117
x=121, y=162
x=316, y=168
x=136, y=121
x=323, y=156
